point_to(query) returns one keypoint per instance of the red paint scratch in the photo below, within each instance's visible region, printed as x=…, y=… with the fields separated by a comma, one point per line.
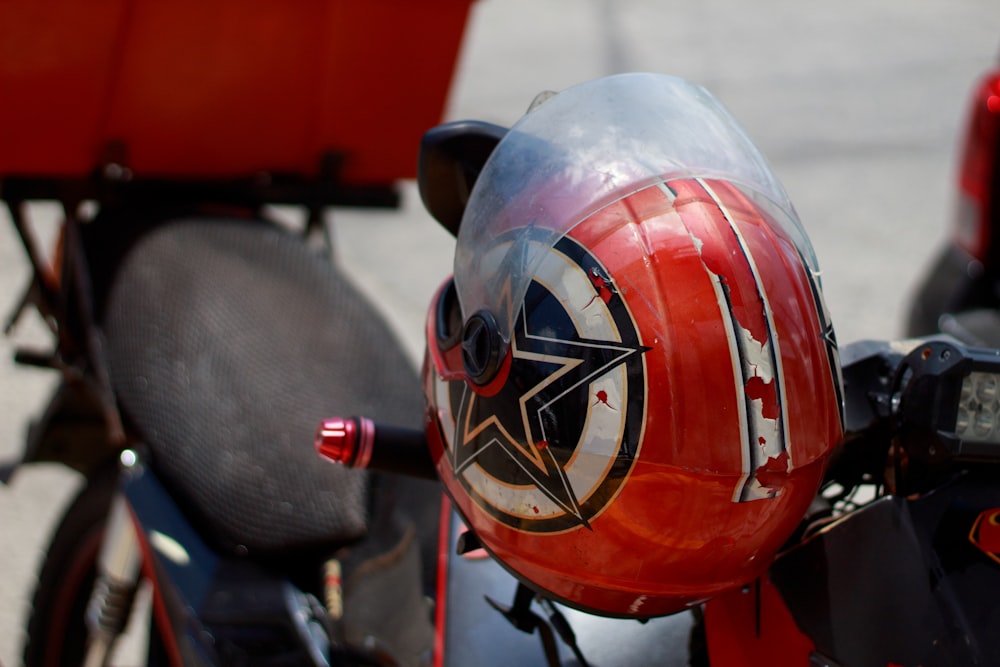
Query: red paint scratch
x=766, y=393
x=773, y=473
x=602, y=397
x=603, y=285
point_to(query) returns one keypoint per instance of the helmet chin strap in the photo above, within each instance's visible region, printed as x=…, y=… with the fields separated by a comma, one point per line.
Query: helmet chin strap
x=524, y=619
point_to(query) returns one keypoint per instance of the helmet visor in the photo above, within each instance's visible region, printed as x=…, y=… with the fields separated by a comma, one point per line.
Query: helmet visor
x=583, y=149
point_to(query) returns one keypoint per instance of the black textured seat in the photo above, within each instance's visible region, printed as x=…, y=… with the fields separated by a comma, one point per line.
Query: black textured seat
x=228, y=341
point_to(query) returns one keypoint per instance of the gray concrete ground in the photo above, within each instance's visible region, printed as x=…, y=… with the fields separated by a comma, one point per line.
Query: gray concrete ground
x=857, y=105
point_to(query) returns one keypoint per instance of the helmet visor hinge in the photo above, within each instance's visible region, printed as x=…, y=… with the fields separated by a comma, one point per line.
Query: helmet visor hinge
x=483, y=348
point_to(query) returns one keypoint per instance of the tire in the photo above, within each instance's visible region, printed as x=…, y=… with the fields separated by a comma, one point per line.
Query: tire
x=57, y=633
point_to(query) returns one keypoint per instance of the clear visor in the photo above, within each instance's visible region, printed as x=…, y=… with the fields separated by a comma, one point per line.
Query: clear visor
x=585, y=148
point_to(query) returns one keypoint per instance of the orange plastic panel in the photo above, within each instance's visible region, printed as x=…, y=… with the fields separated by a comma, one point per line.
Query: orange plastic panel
x=753, y=628
x=223, y=88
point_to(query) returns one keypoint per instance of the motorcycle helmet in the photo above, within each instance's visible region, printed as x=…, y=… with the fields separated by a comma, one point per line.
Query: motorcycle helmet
x=632, y=381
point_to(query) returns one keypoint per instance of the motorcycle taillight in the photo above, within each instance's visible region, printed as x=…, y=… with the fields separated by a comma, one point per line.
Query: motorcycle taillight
x=978, y=176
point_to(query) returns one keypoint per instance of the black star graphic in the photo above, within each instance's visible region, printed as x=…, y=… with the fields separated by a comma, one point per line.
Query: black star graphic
x=528, y=431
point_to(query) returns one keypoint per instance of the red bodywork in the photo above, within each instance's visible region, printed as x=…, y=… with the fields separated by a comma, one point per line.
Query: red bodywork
x=978, y=174
x=223, y=88
x=752, y=626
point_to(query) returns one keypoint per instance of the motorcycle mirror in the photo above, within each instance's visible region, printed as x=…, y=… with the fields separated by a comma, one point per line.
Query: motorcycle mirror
x=451, y=157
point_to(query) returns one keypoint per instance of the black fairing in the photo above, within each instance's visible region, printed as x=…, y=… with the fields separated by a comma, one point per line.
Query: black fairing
x=901, y=581
x=451, y=157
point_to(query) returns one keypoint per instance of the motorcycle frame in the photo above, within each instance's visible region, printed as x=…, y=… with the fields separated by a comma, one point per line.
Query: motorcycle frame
x=83, y=429
x=206, y=606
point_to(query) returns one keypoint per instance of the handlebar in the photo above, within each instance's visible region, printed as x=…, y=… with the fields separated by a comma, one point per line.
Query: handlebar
x=935, y=398
x=357, y=442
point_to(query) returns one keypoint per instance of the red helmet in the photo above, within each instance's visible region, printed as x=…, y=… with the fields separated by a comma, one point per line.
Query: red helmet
x=633, y=383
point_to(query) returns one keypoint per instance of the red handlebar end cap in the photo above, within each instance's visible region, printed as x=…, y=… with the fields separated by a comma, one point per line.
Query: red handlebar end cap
x=346, y=441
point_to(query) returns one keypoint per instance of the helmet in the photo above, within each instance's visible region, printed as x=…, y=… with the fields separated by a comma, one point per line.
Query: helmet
x=632, y=381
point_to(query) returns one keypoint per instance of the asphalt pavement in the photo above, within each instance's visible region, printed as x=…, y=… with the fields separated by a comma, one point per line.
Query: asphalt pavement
x=858, y=105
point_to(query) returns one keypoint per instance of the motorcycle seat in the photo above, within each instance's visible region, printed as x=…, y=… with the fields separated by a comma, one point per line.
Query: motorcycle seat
x=228, y=340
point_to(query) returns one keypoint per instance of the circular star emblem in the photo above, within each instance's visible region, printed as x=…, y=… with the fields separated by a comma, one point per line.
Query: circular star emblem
x=549, y=450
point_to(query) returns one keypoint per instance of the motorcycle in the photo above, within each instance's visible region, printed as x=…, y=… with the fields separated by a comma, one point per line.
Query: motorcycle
x=894, y=561
x=198, y=339
x=186, y=416
x=959, y=293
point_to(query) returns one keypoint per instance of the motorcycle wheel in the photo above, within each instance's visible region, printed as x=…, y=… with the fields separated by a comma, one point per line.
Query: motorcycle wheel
x=56, y=631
